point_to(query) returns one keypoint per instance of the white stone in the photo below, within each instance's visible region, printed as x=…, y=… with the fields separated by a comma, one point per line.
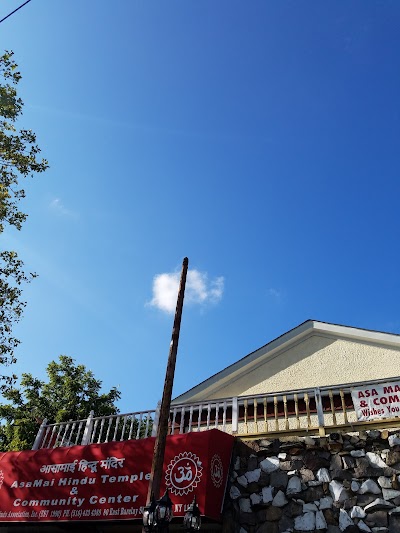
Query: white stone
x=384, y=454
x=357, y=512
x=242, y=480
x=305, y=522
x=344, y=520
x=320, y=522
x=369, y=486
x=279, y=499
x=355, y=487
x=357, y=453
x=267, y=494
x=323, y=475
x=309, y=441
x=253, y=475
x=234, y=493
x=294, y=485
x=244, y=504
x=255, y=499
x=389, y=494
x=362, y=526
x=378, y=504
x=338, y=492
x=282, y=456
x=395, y=511
x=309, y=507
x=270, y=464
x=325, y=503
x=292, y=472
x=314, y=483
x=394, y=440
x=375, y=460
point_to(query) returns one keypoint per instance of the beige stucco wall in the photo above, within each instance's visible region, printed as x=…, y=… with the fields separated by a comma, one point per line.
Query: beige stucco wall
x=316, y=361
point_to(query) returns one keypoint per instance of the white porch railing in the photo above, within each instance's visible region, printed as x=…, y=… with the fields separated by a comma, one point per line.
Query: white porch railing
x=96, y=429
x=313, y=411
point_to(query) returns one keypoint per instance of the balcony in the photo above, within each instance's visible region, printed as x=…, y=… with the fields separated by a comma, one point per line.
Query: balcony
x=313, y=411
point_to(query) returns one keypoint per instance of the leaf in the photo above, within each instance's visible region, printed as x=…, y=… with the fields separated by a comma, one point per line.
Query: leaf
x=19, y=158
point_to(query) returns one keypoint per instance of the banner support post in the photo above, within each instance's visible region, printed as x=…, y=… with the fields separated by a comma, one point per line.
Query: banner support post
x=162, y=427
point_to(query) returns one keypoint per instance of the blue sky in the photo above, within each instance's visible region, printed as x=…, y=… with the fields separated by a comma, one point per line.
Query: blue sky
x=259, y=139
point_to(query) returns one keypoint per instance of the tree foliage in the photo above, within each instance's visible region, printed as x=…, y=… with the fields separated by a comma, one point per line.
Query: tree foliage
x=70, y=393
x=19, y=158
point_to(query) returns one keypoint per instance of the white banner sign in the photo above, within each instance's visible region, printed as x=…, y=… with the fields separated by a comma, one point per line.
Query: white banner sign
x=377, y=401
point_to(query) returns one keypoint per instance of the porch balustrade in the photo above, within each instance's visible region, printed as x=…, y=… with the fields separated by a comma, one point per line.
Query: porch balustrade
x=312, y=411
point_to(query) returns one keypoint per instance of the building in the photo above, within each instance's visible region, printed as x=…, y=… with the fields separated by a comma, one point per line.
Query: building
x=313, y=354
x=317, y=379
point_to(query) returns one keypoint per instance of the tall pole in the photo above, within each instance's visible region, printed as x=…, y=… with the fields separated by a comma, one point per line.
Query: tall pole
x=162, y=429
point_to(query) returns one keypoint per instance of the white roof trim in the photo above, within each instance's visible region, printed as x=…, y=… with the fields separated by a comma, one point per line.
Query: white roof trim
x=275, y=347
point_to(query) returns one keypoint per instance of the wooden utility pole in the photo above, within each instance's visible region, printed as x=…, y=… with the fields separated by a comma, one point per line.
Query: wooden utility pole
x=162, y=429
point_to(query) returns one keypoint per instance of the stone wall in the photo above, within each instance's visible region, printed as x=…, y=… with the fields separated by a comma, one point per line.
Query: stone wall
x=345, y=482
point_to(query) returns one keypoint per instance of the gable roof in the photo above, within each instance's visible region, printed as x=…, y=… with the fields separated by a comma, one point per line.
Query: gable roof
x=275, y=347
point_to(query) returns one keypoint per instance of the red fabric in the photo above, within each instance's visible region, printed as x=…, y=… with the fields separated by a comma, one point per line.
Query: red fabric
x=113, y=486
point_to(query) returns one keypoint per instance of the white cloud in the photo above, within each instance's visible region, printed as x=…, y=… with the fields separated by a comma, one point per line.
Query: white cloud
x=199, y=290
x=275, y=294
x=58, y=207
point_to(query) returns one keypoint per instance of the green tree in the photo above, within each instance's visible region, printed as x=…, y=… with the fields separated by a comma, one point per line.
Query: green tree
x=19, y=158
x=70, y=393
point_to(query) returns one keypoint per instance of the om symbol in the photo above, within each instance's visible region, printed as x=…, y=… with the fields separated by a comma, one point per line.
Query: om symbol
x=183, y=473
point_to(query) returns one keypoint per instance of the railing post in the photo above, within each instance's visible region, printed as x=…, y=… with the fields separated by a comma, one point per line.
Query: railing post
x=320, y=412
x=156, y=419
x=39, y=435
x=235, y=415
x=88, y=429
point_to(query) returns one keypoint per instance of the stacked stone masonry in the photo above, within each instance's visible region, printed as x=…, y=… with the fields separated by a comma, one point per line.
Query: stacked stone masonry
x=342, y=483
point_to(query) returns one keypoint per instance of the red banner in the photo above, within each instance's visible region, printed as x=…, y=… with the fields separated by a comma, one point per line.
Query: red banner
x=110, y=481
